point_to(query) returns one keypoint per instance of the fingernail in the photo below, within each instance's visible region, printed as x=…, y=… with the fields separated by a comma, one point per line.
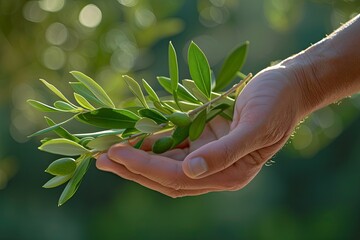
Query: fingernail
x=197, y=166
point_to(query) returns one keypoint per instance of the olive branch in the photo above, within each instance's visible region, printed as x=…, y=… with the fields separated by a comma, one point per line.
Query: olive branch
x=194, y=102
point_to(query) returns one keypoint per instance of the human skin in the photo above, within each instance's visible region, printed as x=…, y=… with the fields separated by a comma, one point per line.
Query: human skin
x=228, y=155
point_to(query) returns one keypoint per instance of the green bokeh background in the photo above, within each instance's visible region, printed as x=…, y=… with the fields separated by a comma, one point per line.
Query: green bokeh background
x=311, y=192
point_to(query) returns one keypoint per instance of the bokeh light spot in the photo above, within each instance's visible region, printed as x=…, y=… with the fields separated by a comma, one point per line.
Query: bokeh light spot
x=54, y=58
x=144, y=17
x=128, y=3
x=56, y=33
x=90, y=16
x=51, y=5
x=33, y=13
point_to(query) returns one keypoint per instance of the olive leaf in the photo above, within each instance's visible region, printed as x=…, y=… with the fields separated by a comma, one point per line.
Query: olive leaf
x=83, y=102
x=173, y=68
x=43, y=107
x=153, y=114
x=193, y=89
x=152, y=94
x=64, y=147
x=60, y=131
x=197, y=126
x=74, y=183
x=135, y=89
x=103, y=143
x=57, y=181
x=231, y=66
x=147, y=125
x=182, y=92
x=55, y=90
x=66, y=107
x=95, y=88
x=82, y=90
x=109, y=118
x=51, y=128
x=199, y=69
x=62, y=167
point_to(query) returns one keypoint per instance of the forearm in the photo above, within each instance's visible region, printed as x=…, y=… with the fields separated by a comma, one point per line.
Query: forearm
x=329, y=70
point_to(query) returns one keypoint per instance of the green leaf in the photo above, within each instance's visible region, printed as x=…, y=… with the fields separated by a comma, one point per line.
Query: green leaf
x=197, y=126
x=95, y=88
x=62, y=167
x=181, y=91
x=100, y=133
x=60, y=131
x=180, y=119
x=147, y=125
x=152, y=94
x=74, y=183
x=185, y=106
x=82, y=90
x=103, y=143
x=64, y=147
x=57, y=181
x=66, y=107
x=180, y=134
x=49, y=129
x=231, y=66
x=83, y=102
x=153, y=114
x=173, y=68
x=135, y=89
x=199, y=69
x=42, y=106
x=109, y=118
x=84, y=141
x=191, y=87
x=162, y=144
x=55, y=90
x=139, y=143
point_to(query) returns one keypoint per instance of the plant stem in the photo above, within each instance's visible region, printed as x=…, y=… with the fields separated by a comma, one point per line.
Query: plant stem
x=225, y=94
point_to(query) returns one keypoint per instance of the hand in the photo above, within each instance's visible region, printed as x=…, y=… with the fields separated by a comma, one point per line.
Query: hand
x=228, y=155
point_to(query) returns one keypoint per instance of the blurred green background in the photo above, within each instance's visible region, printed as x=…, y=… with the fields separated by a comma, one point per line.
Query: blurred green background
x=311, y=192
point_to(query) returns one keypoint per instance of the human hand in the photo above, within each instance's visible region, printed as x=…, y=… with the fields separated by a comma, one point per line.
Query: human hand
x=228, y=155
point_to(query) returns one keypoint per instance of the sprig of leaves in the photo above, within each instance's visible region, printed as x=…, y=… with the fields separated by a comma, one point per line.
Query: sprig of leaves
x=194, y=102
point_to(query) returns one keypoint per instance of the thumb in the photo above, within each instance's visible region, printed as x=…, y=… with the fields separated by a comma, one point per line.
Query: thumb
x=219, y=154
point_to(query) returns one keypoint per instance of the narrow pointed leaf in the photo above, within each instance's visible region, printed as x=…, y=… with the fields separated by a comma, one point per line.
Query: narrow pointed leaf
x=60, y=131
x=231, y=66
x=129, y=132
x=74, y=183
x=104, y=142
x=62, y=167
x=94, y=87
x=181, y=91
x=42, y=106
x=199, y=69
x=153, y=114
x=173, y=68
x=66, y=107
x=152, y=94
x=83, y=102
x=135, y=89
x=147, y=125
x=49, y=129
x=64, y=147
x=194, y=90
x=57, y=181
x=82, y=90
x=100, y=133
x=185, y=106
x=109, y=118
x=55, y=90
x=197, y=126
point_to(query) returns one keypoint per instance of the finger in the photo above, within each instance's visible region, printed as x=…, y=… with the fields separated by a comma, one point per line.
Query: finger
x=220, y=154
x=163, y=170
x=176, y=154
x=105, y=164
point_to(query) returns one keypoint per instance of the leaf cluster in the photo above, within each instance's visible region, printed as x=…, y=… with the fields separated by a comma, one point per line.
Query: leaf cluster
x=192, y=103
